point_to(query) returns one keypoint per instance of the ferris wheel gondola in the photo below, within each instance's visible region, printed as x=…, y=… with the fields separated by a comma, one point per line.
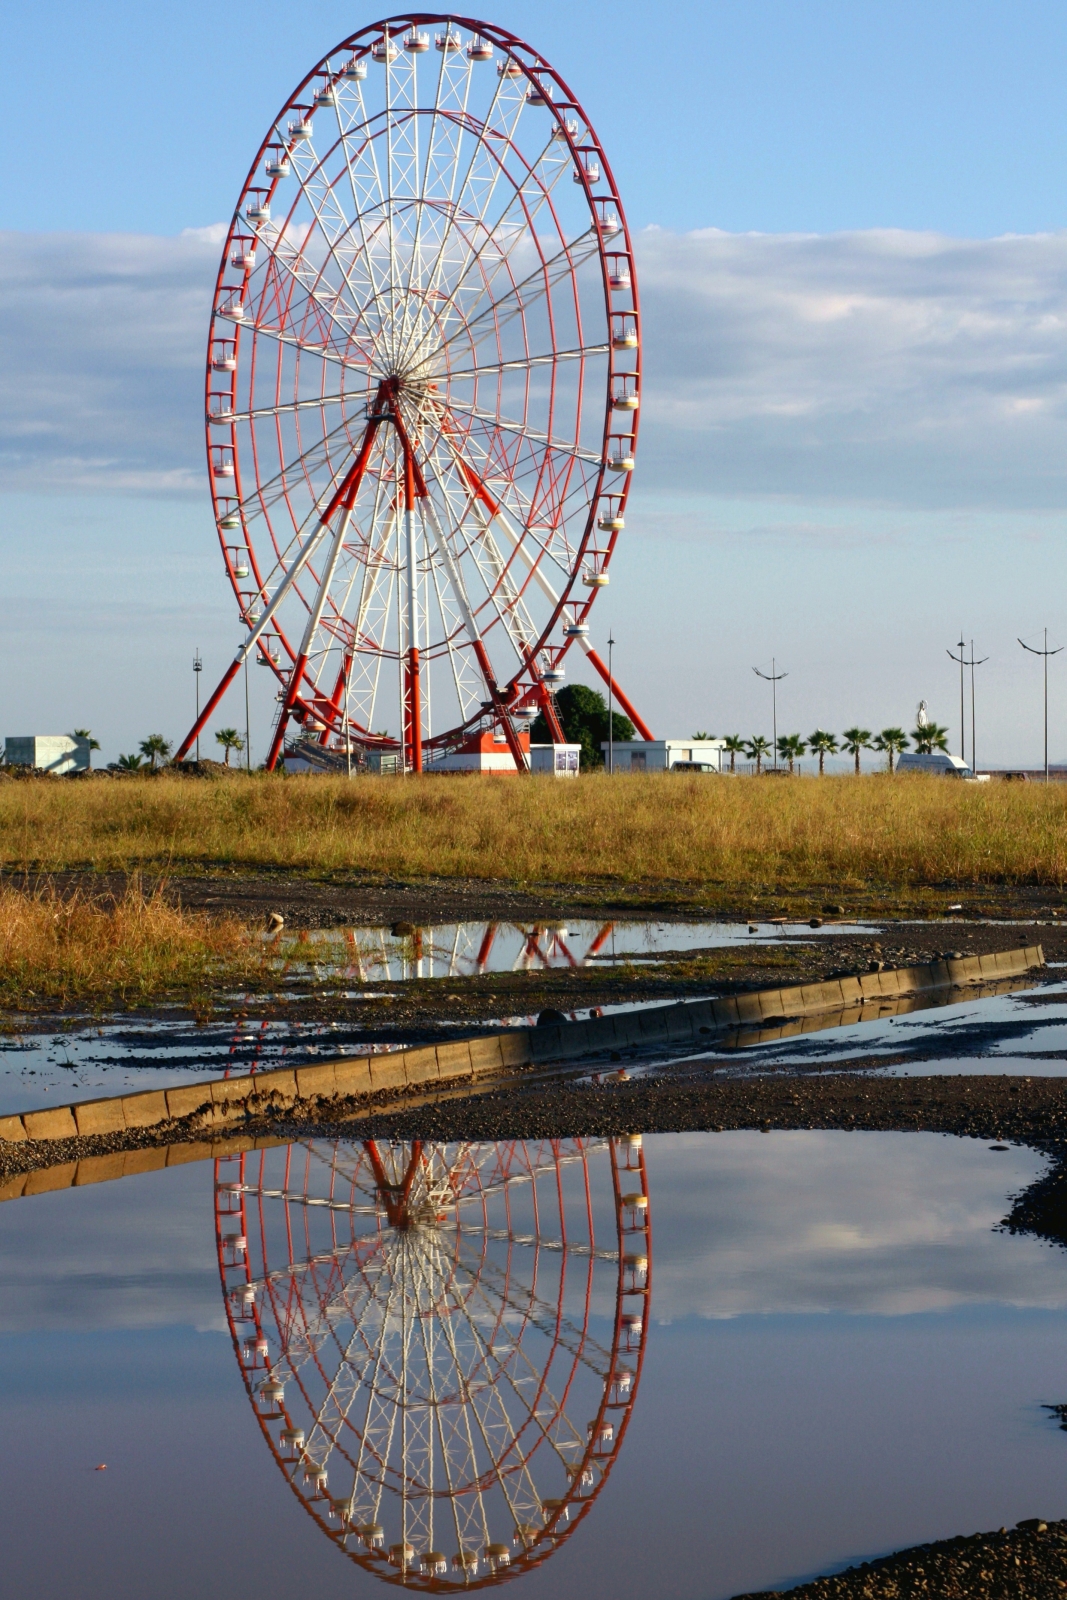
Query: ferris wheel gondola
x=423, y=388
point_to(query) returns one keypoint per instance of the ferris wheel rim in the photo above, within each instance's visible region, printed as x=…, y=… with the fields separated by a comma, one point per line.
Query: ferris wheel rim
x=560, y=102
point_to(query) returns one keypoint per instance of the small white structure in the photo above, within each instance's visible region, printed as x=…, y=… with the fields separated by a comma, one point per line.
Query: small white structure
x=939, y=762
x=562, y=760
x=659, y=755
x=48, y=752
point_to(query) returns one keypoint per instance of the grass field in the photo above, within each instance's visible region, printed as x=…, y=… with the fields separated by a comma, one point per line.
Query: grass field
x=716, y=835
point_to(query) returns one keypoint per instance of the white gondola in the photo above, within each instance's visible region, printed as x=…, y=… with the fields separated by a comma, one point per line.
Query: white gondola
x=589, y=171
x=269, y=658
x=227, y=362
x=576, y=630
x=384, y=49
x=234, y=310
x=222, y=418
x=609, y=226
x=271, y=1392
x=625, y=339
x=244, y=256
x=567, y=129
x=326, y=96
x=416, y=42
x=619, y=278
x=240, y=567
x=435, y=1562
x=524, y=715
x=231, y=522
x=466, y=1561
x=497, y=1555
x=355, y=70
x=292, y=1439
x=596, y=580
x=278, y=167
x=300, y=130
x=341, y=1509
x=448, y=42
x=372, y=1534
x=253, y=616
x=401, y=1555
x=222, y=469
x=480, y=50
x=621, y=463
x=611, y=523
x=236, y=1243
x=625, y=402
x=539, y=94
x=553, y=676
x=257, y=211
x=508, y=68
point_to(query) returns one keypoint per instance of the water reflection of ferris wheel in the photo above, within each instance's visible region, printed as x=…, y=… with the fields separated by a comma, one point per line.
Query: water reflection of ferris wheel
x=442, y=1343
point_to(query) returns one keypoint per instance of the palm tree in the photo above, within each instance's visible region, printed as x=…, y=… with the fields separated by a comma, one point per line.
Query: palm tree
x=701, y=736
x=130, y=763
x=854, y=740
x=823, y=745
x=94, y=744
x=930, y=738
x=891, y=741
x=155, y=747
x=736, y=746
x=229, y=739
x=790, y=746
x=756, y=749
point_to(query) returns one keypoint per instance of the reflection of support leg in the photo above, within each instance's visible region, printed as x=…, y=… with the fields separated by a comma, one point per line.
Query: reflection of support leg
x=638, y=722
x=486, y=946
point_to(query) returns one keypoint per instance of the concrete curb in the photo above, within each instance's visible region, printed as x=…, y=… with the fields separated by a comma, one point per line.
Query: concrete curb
x=222, y=1102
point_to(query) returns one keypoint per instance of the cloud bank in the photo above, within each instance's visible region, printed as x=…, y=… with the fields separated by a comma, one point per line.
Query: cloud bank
x=888, y=368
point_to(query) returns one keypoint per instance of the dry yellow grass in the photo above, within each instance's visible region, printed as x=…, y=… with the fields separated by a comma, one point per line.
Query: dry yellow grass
x=731, y=834
x=74, y=950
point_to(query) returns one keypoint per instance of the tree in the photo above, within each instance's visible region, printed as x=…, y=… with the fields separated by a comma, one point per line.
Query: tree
x=930, y=738
x=696, y=736
x=756, y=749
x=84, y=733
x=822, y=744
x=736, y=746
x=790, y=747
x=229, y=739
x=156, y=748
x=583, y=716
x=891, y=741
x=131, y=763
x=854, y=740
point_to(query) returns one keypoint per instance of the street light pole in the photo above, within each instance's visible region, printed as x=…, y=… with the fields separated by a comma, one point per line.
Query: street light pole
x=248, y=725
x=962, y=647
x=198, y=667
x=773, y=678
x=1046, y=652
x=611, y=702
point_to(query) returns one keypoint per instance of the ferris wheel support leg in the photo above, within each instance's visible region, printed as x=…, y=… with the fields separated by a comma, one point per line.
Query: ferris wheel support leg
x=638, y=721
x=197, y=728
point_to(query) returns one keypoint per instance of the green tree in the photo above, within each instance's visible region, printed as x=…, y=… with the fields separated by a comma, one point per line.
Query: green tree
x=930, y=738
x=696, y=736
x=822, y=744
x=131, y=763
x=583, y=716
x=229, y=739
x=891, y=741
x=156, y=748
x=854, y=740
x=84, y=733
x=736, y=746
x=756, y=749
x=790, y=747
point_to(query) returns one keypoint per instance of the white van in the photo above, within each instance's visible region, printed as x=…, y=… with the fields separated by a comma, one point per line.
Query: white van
x=940, y=762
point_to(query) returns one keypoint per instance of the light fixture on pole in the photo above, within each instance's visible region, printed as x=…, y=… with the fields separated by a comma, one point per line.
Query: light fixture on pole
x=1046, y=652
x=198, y=667
x=611, y=699
x=773, y=678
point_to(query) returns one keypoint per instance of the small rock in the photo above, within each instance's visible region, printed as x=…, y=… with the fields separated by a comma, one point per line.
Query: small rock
x=815, y=922
x=549, y=1018
x=402, y=930
x=275, y=922
x=833, y=911
x=875, y=966
x=1033, y=1524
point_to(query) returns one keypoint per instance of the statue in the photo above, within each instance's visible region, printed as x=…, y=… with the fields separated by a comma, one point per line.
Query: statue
x=921, y=719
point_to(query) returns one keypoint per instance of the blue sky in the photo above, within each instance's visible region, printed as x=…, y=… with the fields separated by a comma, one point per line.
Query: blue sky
x=855, y=284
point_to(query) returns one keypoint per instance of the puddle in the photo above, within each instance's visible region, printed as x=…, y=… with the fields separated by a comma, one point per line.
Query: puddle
x=465, y=949
x=831, y=1352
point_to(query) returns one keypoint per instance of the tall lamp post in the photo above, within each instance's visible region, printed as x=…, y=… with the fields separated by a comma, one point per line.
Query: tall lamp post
x=198, y=667
x=962, y=648
x=773, y=678
x=1046, y=652
x=962, y=660
x=611, y=701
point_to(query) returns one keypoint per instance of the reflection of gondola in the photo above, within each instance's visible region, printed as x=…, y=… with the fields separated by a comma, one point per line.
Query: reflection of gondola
x=414, y=1324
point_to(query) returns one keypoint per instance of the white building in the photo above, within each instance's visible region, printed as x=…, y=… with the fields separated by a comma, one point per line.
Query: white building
x=49, y=752
x=562, y=760
x=658, y=755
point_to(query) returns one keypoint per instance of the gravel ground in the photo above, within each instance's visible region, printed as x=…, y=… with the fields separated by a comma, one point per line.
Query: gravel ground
x=1024, y=1563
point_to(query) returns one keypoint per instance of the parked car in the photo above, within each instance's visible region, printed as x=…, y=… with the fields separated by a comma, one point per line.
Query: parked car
x=692, y=766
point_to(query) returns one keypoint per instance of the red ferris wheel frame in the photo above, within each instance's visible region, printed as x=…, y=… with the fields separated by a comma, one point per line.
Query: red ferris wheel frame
x=319, y=708
x=239, y=1200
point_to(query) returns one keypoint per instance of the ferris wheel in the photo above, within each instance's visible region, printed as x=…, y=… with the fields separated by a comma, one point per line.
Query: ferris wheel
x=442, y=1343
x=423, y=391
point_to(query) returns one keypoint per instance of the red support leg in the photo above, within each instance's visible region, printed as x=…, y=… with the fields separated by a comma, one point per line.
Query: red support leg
x=227, y=678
